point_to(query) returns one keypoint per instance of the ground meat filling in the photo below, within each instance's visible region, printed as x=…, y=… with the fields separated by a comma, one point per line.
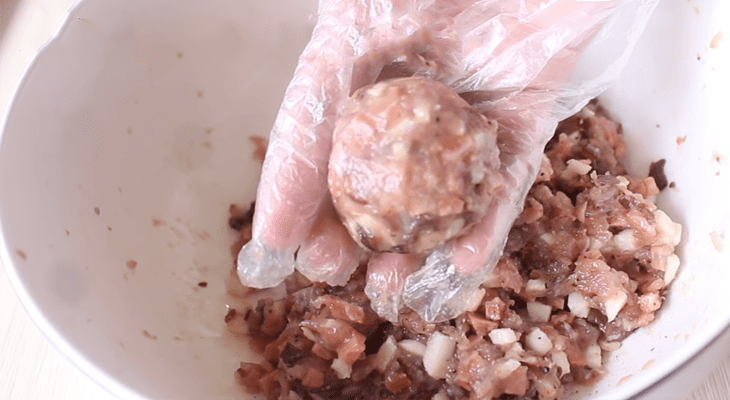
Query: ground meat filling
x=413, y=165
x=586, y=263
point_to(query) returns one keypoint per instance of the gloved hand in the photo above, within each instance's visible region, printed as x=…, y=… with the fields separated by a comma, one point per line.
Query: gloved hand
x=525, y=63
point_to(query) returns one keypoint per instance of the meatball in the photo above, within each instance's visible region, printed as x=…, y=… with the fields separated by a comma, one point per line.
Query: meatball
x=412, y=165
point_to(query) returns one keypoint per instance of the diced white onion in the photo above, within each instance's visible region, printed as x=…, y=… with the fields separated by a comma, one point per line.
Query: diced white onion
x=668, y=231
x=477, y=174
x=613, y=305
x=535, y=286
x=625, y=240
x=412, y=346
x=502, y=336
x=539, y=342
x=400, y=150
x=539, y=311
x=593, y=356
x=609, y=346
x=549, y=238
x=515, y=350
x=672, y=268
x=561, y=360
x=309, y=334
x=455, y=227
x=439, y=350
x=622, y=181
x=578, y=305
x=475, y=300
x=341, y=368
x=579, y=167
x=507, y=367
x=594, y=244
x=440, y=396
x=422, y=113
x=650, y=302
x=385, y=354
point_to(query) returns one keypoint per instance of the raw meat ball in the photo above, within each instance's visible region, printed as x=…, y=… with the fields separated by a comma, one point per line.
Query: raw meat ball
x=412, y=165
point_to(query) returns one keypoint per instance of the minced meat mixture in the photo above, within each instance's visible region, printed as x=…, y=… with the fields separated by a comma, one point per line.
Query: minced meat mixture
x=413, y=165
x=586, y=263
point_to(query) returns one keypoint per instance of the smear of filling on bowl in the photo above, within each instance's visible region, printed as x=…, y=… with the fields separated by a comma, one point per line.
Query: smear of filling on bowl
x=586, y=263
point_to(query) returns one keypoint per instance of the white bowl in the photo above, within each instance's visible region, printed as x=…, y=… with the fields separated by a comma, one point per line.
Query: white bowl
x=128, y=138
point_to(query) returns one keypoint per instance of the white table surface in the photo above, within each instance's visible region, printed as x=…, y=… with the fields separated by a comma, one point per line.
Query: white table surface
x=29, y=367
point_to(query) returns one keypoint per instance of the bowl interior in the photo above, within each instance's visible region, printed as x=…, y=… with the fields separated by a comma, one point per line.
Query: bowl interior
x=127, y=142
x=130, y=136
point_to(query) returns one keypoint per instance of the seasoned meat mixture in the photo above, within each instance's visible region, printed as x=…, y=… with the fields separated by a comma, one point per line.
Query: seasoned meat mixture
x=412, y=165
x=586, y=263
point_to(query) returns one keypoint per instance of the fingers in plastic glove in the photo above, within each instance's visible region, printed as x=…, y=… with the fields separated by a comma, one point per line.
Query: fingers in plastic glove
x=385, y=279
x=293, y=183
x=329, y=254
x=293, y=179
x=442, y=288
x=261, y=266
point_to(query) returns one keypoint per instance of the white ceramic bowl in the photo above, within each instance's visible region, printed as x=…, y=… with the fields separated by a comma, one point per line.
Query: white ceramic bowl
x=127, y=139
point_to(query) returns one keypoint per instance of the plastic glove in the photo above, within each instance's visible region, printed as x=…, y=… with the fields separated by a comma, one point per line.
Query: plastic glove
x=526, y=64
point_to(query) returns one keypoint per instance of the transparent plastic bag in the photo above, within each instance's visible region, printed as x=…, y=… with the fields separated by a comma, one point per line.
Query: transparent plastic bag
x=526, y=64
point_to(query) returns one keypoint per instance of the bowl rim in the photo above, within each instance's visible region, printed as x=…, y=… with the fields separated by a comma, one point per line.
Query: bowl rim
x=116, y=388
